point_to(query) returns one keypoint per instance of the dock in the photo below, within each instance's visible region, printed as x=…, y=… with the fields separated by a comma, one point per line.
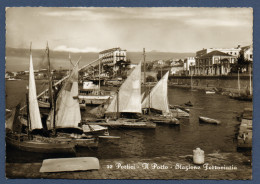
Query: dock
x=244, y=138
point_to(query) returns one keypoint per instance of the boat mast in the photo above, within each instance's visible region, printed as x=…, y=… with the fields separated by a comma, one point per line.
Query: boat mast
x=54, y=111
x=99, y=76
x=191, y=81
x=28, y=114
x=238, y=82
x=117, y=104
x=149, y=110
x=50, y=77
x=144, y=66
x=250, y=80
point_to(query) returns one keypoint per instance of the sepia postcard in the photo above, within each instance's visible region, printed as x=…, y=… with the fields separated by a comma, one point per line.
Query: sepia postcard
x=161, y=93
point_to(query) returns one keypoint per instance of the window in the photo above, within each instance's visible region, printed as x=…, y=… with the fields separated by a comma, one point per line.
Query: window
x=251, y=56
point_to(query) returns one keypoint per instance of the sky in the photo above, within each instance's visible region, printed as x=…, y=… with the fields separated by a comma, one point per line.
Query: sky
x=92, y=29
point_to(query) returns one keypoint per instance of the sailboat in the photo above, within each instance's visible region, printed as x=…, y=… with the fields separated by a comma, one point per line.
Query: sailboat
x=29, y=141
x=125, y=109
x=65, y=115
x=156, y=106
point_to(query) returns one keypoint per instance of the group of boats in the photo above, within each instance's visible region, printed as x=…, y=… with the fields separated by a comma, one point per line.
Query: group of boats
x=63, y=129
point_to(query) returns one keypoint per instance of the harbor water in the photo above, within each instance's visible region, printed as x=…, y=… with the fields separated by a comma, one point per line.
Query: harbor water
x=162, y=141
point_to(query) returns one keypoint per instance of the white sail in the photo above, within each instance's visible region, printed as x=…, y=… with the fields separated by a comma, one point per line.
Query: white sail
x=158, y=97
x=68, y=109
x=35, y=117
x=129, y=95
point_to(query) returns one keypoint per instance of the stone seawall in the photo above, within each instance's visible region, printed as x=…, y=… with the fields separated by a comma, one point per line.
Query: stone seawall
x=225, y=83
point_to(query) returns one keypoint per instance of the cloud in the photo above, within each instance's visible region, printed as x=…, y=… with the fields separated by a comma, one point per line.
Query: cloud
x=75, y=50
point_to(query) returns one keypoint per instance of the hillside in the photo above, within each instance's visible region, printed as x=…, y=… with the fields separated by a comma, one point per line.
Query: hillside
x=18, y=59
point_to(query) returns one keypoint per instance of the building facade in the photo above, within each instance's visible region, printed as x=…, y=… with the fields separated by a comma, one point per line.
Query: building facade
x=230, y=51
x=213, y=63
x=112, y=56
x=247, y=51
x=189, y=61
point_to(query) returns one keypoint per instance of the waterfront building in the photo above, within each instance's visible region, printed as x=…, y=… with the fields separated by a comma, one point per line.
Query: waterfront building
x=177, y=69
x=189, y=61
x=111, y=56
x=230, y=51
x=247, y=51
x=213, y=63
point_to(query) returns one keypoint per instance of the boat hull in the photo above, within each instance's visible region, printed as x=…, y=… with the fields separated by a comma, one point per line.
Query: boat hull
x=208, y=121
x=126, y=124
x=164, y=120
x=92, y=100
x=40, y=147
x=43, y=104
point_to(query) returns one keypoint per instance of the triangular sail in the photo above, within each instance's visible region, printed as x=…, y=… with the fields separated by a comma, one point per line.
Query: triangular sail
x=158, y=96
x=129, y=95
x=35, y=117
x=68, y=109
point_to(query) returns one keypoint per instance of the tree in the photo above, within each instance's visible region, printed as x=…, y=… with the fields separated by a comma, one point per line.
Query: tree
x=241, y=64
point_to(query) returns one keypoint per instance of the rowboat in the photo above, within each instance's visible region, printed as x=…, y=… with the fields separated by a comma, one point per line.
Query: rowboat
x=208, y=120
x=210, y=92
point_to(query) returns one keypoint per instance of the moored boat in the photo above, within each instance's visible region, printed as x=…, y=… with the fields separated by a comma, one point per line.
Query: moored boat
x=28, y=140
x=210, y=92
x=208, y=120
x=125, y=108
x=155, y=105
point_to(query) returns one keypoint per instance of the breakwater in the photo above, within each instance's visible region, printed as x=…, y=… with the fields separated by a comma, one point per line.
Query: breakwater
x=225, y=83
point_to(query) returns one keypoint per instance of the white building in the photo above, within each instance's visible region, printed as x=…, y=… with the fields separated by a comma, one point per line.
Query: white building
x=112, y=56
x=189, y=61
x=248, y=52
x=230, y=51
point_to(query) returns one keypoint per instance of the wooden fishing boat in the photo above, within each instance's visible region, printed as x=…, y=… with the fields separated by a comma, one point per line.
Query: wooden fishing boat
x=31, y=142
x=126, y=105
x=163, y=120
x=126, y=123
x=38, y=145
x=156, y=106
x=208, y=120
x=65, y=116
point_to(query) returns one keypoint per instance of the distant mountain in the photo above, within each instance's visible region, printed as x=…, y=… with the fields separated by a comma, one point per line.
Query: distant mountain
x=18, y=59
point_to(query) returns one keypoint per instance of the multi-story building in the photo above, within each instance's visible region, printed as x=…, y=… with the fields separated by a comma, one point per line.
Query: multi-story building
x=189, y=61
x=112, y=56
x=230, y=51
x=247, y=51
x=213, y=63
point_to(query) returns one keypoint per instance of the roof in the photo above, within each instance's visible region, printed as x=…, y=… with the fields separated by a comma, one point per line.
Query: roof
x=214, y=53
x=245, y=48
x=110, y=50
